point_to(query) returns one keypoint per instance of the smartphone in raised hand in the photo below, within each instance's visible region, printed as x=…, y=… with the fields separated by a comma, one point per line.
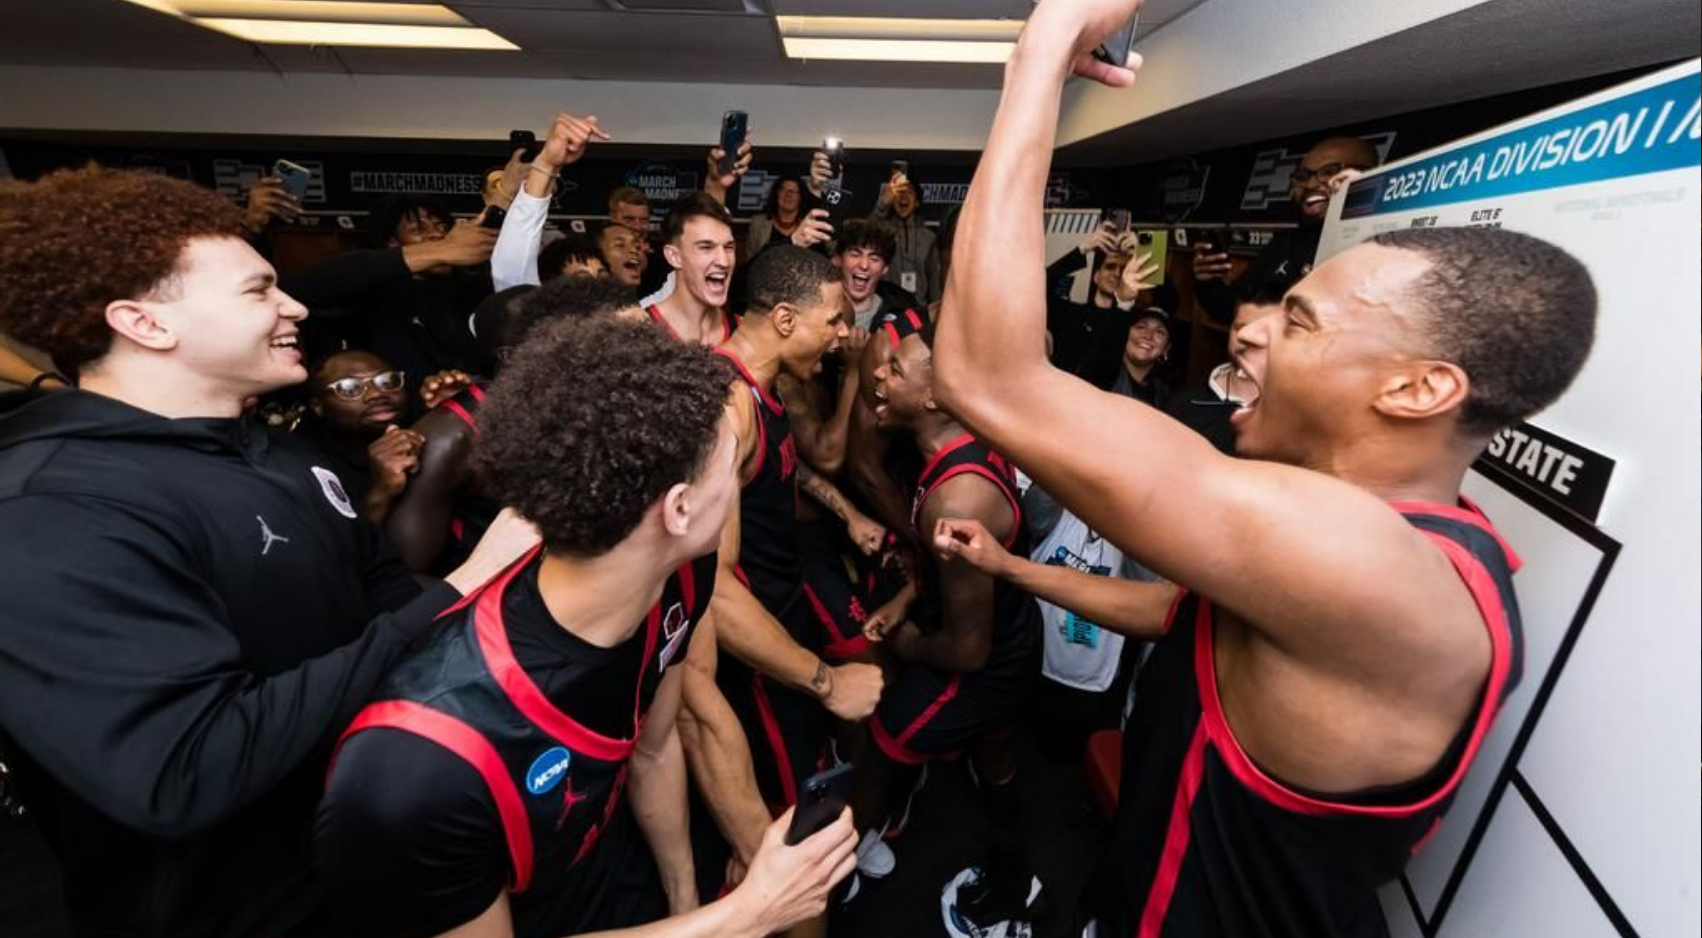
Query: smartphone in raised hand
x=835, y=150
x=524, y=140
x=734, y=125
x=1119, y=44
x=295, y=177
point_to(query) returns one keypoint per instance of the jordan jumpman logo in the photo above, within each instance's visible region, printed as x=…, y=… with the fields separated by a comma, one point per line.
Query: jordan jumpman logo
x=269, y=537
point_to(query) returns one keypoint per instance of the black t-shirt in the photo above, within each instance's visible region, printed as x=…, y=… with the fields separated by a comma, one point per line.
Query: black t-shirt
x=1203, y=411
x=408, y=840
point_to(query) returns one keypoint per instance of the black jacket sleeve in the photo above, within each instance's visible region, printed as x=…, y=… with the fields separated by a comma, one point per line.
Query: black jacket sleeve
x=341, y=279
x=121, y=679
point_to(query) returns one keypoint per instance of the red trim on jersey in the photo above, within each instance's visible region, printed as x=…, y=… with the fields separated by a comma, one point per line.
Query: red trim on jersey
x=854, y=647
x=945, y=451
x=1466, y=512
x=1170, y=616
x=477, y=391
x=898, y=747
x=915, y=320
x=1176, y=837
x=761, y=391
x=776, y=740
x=823, y=614
x=499, y=658
x=454, y=407
x=472, y=748
x=661, y=320
x=655, y=312
x=688, y=585
x=891, y=747
x=1009, y=540
x=1488, y=599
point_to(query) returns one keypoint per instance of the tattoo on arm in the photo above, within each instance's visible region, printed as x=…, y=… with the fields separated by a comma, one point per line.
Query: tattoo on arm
x=822, y=491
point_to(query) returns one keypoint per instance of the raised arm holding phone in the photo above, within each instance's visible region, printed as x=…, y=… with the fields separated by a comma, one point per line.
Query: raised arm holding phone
x=1349, y=629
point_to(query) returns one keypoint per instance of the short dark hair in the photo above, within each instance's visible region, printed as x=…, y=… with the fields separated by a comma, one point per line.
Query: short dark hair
x=788, y=274
x=576, y=248
x=627, y=195
x=388, y=212
x=593, y=420
x=869, y=235
x=1515, y=312
x=78, y=239
x=1263, y=291
x=694, y=205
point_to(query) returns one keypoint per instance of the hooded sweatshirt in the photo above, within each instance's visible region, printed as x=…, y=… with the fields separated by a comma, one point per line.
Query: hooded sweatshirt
x=193, y=610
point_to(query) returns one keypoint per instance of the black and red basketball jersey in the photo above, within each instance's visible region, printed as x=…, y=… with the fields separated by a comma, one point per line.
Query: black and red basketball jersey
x=768, y=504
x=1208, y=845
x=661, y=320
x=1016, y=617
x=472, y=513
x=554, y=781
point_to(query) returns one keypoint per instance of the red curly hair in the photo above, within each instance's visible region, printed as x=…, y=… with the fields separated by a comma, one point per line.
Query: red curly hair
x=79, y=239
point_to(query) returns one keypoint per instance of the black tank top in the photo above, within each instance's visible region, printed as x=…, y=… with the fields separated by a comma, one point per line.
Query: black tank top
x=768, y=504
x=1016, y=616
x=1208, y=844
x=472, y=513
x=554, y=781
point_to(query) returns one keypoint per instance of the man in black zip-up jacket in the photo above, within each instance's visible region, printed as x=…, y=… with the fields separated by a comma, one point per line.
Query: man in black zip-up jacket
x=193, y=608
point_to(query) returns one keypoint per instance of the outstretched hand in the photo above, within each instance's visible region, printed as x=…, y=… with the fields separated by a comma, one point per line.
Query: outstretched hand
x=1085, y=24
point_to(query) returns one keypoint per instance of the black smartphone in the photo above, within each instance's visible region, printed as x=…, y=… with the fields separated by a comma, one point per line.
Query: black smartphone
x=900, y=168
x=1209, y=241
x=820, y=803
x=733, y=125
x=524, y=140
x=1119, y=220
x=836, y=199
x=1119, y=44
x=295, y=177
x=835, y=150
x=494, y=215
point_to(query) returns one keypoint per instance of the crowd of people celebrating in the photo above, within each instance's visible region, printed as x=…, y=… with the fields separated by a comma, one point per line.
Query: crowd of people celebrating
x=436, y=587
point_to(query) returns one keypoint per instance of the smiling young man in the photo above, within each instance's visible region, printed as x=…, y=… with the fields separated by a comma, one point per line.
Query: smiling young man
x=1350, y=628
x=701, y=249
x=194, y=604
x=480, y=794
x=862, y=253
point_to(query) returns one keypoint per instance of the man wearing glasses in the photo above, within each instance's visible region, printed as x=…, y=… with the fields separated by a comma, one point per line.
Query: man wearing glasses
x=358, y=402
x=1290, y=254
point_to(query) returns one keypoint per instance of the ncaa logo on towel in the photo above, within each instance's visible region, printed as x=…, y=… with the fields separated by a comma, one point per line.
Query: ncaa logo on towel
x=548, y=770
x=334, y=493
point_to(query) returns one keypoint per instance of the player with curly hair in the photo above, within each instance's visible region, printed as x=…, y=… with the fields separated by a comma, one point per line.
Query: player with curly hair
x=558, y=684
x=193, y=604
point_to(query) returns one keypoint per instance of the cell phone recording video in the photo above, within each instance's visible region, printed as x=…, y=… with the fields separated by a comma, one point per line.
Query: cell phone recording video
x=835, y=150
x=1117, y=47
x=734, y=125
x=524, y=140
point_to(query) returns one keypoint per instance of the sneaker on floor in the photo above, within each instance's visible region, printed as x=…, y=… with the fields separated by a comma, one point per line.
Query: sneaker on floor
x=972, y=908
x=896, y=825
x=874, y=858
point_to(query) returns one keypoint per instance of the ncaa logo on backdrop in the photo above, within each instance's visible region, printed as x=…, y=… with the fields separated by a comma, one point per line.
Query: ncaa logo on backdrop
x=548, y=770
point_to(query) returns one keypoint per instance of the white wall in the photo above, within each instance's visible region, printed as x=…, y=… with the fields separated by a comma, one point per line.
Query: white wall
x=404, y=106
x=1612, y=755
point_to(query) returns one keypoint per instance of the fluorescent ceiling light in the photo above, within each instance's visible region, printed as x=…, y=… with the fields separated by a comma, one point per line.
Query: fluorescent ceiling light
x=334, y=23
x=900, y=50
x=896, y=39
x=891, y=27
x=289, y=32
x=325, y=11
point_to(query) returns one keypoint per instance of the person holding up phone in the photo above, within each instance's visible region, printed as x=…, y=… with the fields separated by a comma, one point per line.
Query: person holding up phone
x=551, y=800
x=916, y=265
